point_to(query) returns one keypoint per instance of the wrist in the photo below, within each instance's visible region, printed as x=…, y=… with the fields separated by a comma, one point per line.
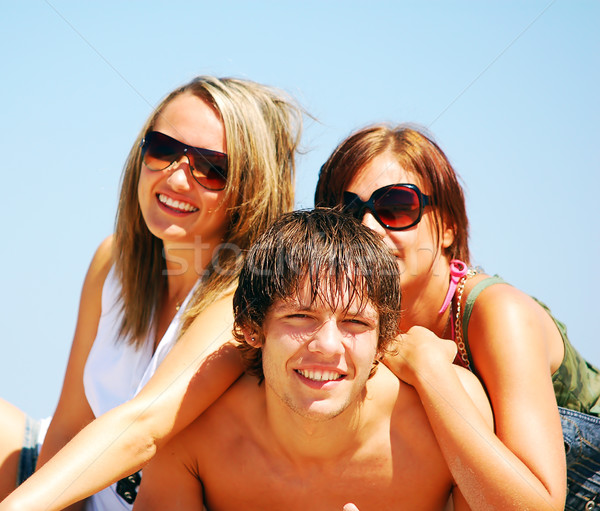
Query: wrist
x=430, y=370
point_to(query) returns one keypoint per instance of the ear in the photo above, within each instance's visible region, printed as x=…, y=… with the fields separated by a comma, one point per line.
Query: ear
x=381, y=353
x=253, y=338
x=447, y=235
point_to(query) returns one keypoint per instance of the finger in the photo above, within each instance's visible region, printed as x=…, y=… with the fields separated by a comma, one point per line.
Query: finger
x=350, y=507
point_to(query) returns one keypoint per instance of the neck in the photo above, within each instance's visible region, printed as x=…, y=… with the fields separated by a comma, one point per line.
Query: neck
x=185, y=264
x=424, y=298
x=181, y=276
x=323, y=441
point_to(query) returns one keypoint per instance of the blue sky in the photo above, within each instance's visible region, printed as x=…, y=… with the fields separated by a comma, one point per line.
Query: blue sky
x=508, y=89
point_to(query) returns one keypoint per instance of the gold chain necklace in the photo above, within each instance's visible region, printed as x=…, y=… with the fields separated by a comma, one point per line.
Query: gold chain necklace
x=458, y=333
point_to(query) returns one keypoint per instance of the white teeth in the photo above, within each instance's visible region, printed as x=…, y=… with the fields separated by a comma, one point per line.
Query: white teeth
x=175, y=204
x=320, y=375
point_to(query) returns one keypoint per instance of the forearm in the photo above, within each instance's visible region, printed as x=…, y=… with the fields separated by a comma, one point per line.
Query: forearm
x=488, y=474
x=51, y=446
x=61, y=432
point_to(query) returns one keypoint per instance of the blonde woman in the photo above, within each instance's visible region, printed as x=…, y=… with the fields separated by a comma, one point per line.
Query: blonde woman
x=210, y=170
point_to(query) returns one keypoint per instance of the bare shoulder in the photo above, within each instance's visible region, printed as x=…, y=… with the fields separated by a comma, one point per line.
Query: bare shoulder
x=402, y=403
x=101, y=262
x=510, y=327
x=232, y=428
x=91, y=294
x=501, y=299
x=227, y=418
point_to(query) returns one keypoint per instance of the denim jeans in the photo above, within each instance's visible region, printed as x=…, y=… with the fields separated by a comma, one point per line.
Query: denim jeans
x=581, y=434
x=29, y=452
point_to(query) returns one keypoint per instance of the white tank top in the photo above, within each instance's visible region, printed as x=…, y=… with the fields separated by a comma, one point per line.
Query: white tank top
x=115, y=371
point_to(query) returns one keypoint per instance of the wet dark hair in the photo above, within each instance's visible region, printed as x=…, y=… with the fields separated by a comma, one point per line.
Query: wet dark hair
x=336, y=255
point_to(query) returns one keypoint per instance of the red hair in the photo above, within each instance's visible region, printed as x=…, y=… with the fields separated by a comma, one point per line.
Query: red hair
x=417, y=154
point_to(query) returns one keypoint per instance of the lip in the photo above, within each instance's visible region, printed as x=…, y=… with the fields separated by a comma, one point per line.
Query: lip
x=320, y=372
x=175, y=208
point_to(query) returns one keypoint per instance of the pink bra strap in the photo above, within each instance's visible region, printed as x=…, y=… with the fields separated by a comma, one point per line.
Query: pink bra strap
x=458, y=269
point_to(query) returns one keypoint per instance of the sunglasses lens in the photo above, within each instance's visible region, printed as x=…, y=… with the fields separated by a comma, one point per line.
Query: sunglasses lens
x=209, y=169
x=159, y=151
x=398, y=207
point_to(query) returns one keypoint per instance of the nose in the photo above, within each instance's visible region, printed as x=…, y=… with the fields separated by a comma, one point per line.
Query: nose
x=371, y=222
x=327, y=340
x=178, y=176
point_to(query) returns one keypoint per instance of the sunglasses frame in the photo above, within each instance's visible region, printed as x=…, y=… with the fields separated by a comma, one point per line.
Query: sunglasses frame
x=352, y=198
x=185, y=150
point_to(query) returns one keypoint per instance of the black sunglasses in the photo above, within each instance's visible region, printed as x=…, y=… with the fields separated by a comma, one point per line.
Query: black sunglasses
x=396, y=207
x=208, y=168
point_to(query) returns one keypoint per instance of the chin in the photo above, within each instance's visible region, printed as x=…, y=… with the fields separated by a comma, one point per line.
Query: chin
x=322, y=411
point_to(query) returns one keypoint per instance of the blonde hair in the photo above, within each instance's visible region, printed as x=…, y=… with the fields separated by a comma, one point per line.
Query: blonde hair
x=262, y=127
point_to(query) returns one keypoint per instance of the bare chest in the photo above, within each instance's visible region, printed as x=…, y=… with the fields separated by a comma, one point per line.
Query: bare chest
x=373, y=483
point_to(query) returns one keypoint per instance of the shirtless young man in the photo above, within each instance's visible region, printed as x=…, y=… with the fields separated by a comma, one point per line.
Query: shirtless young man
x=315, y=423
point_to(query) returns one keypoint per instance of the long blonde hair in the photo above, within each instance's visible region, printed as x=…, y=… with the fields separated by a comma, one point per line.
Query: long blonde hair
x=263, y=127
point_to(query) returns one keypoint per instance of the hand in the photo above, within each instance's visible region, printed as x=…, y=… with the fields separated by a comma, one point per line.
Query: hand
x=419, y=351
x=350, y=507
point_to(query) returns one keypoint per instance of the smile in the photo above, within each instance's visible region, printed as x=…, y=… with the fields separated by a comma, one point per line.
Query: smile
x=175, y=204
x=315, y=375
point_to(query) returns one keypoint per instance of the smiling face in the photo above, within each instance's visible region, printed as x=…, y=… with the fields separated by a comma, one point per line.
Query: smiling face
x=175, y=207
x=419, y=249
x=317, y=360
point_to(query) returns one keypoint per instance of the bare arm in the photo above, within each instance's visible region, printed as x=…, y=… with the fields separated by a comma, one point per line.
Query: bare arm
x=170, y=482
x=199, y=368
x=523, y=467
x=73, y=412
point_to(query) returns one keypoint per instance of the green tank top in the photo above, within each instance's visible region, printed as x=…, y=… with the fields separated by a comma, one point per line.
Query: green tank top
x=576, y=382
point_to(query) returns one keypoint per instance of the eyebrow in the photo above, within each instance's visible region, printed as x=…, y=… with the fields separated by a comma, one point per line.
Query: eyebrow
x=294, y=304
x=284, y=305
